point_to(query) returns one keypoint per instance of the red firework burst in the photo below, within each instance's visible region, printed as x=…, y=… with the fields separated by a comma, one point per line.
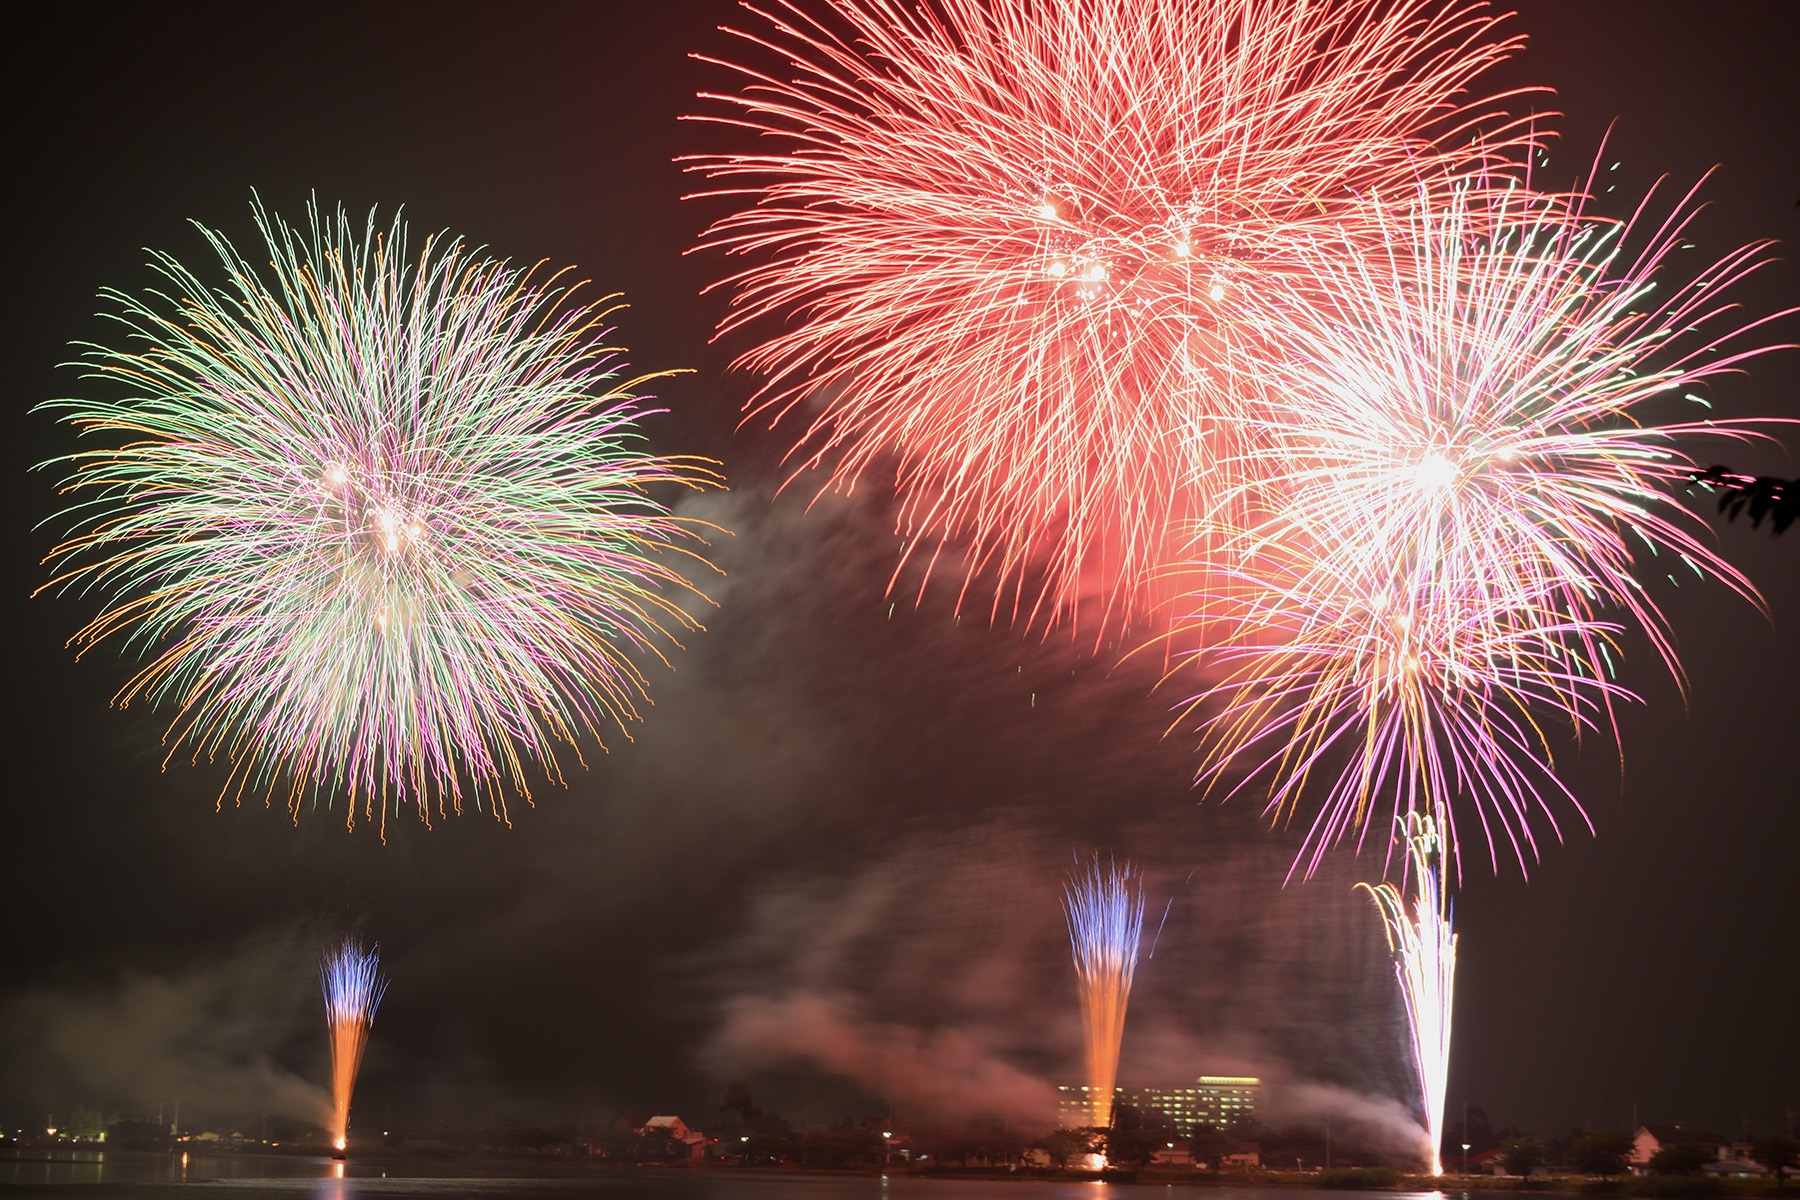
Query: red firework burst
x=1007, y=248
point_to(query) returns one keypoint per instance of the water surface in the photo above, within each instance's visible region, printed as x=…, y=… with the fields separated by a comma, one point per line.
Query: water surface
x=127, y=1176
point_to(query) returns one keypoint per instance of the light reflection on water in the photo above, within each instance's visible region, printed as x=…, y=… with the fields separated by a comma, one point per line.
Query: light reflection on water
x=65, y=1167
x=77, y=1176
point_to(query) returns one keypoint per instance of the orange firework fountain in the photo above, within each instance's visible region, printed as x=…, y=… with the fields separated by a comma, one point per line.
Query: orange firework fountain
x=1105, y=910
x=353, y=986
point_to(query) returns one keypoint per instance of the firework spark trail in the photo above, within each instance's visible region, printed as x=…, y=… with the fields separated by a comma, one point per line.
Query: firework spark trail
x=353, y=986
x=1424, y=949
x=1463, y=470
x=1421, y=694
x=1104, y=907
x=381, y=524
x=1010, y=246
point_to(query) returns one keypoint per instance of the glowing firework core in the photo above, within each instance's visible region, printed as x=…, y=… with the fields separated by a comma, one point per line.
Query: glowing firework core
x=1424, y=951
x=1105, y=911
x=1436, y=473
x=351, y=981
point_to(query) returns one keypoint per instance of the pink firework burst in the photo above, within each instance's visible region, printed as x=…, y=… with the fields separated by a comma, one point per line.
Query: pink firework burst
x=1463, y=473
x=1344, y=692
x=1007, y=250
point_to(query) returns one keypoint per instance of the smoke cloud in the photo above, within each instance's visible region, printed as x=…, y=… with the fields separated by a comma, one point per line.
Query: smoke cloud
x=829, y=862
x=1380, y=1123
x=206, y=1035
x=940, y=1072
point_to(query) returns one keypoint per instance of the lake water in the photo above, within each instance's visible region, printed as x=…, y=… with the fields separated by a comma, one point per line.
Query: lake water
x=126, y=1176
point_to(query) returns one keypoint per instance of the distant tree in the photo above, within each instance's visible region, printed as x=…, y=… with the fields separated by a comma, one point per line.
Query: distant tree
x=738, y=1100
x=774, y=1123
x=1005, y=1146
x=1777, y=1154
x=1066, y=1144
x=839, y=1147
x=1558, y=1149
x=1600, y=1153
x=1475, y=1129
x=1133, y=1147
x=971, y=1144
x=1520, y=1154
x=83, y=1122
x=1681, y=1158
x=535, y=1137
x=135, y=1135
x=619, y=1141
x=1210, y=1146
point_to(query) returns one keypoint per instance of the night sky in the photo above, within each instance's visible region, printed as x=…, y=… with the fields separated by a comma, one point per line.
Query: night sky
x=829, y=863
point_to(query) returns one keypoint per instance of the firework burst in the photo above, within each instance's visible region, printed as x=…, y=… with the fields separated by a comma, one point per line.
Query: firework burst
x=1477, y=401
x=1104, y=907
x=1405, y=696
x=351, y=980
x=1464, y=472
x=1424, y=949
x=1010, y=246
x=380, y=523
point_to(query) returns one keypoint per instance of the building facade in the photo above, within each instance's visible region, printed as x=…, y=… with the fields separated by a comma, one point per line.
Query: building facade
x=1212, y=1101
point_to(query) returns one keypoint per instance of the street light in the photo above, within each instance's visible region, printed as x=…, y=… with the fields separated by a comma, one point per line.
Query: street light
x=1465, y=1137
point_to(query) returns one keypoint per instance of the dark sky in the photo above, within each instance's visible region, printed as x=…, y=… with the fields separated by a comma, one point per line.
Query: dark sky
x=829, y=862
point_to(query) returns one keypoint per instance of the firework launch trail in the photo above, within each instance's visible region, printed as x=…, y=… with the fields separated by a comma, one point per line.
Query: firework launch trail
x=351, y=980
x=1424, y=949
x=1104, y=906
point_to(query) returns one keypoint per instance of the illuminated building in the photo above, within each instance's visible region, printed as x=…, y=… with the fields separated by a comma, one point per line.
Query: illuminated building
x=1219, y=1101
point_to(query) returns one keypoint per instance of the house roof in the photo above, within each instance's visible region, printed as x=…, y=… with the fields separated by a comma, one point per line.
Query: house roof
x=1671, y=1135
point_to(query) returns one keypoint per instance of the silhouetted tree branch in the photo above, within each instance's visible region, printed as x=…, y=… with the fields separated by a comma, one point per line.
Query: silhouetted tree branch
x=1762, y=495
